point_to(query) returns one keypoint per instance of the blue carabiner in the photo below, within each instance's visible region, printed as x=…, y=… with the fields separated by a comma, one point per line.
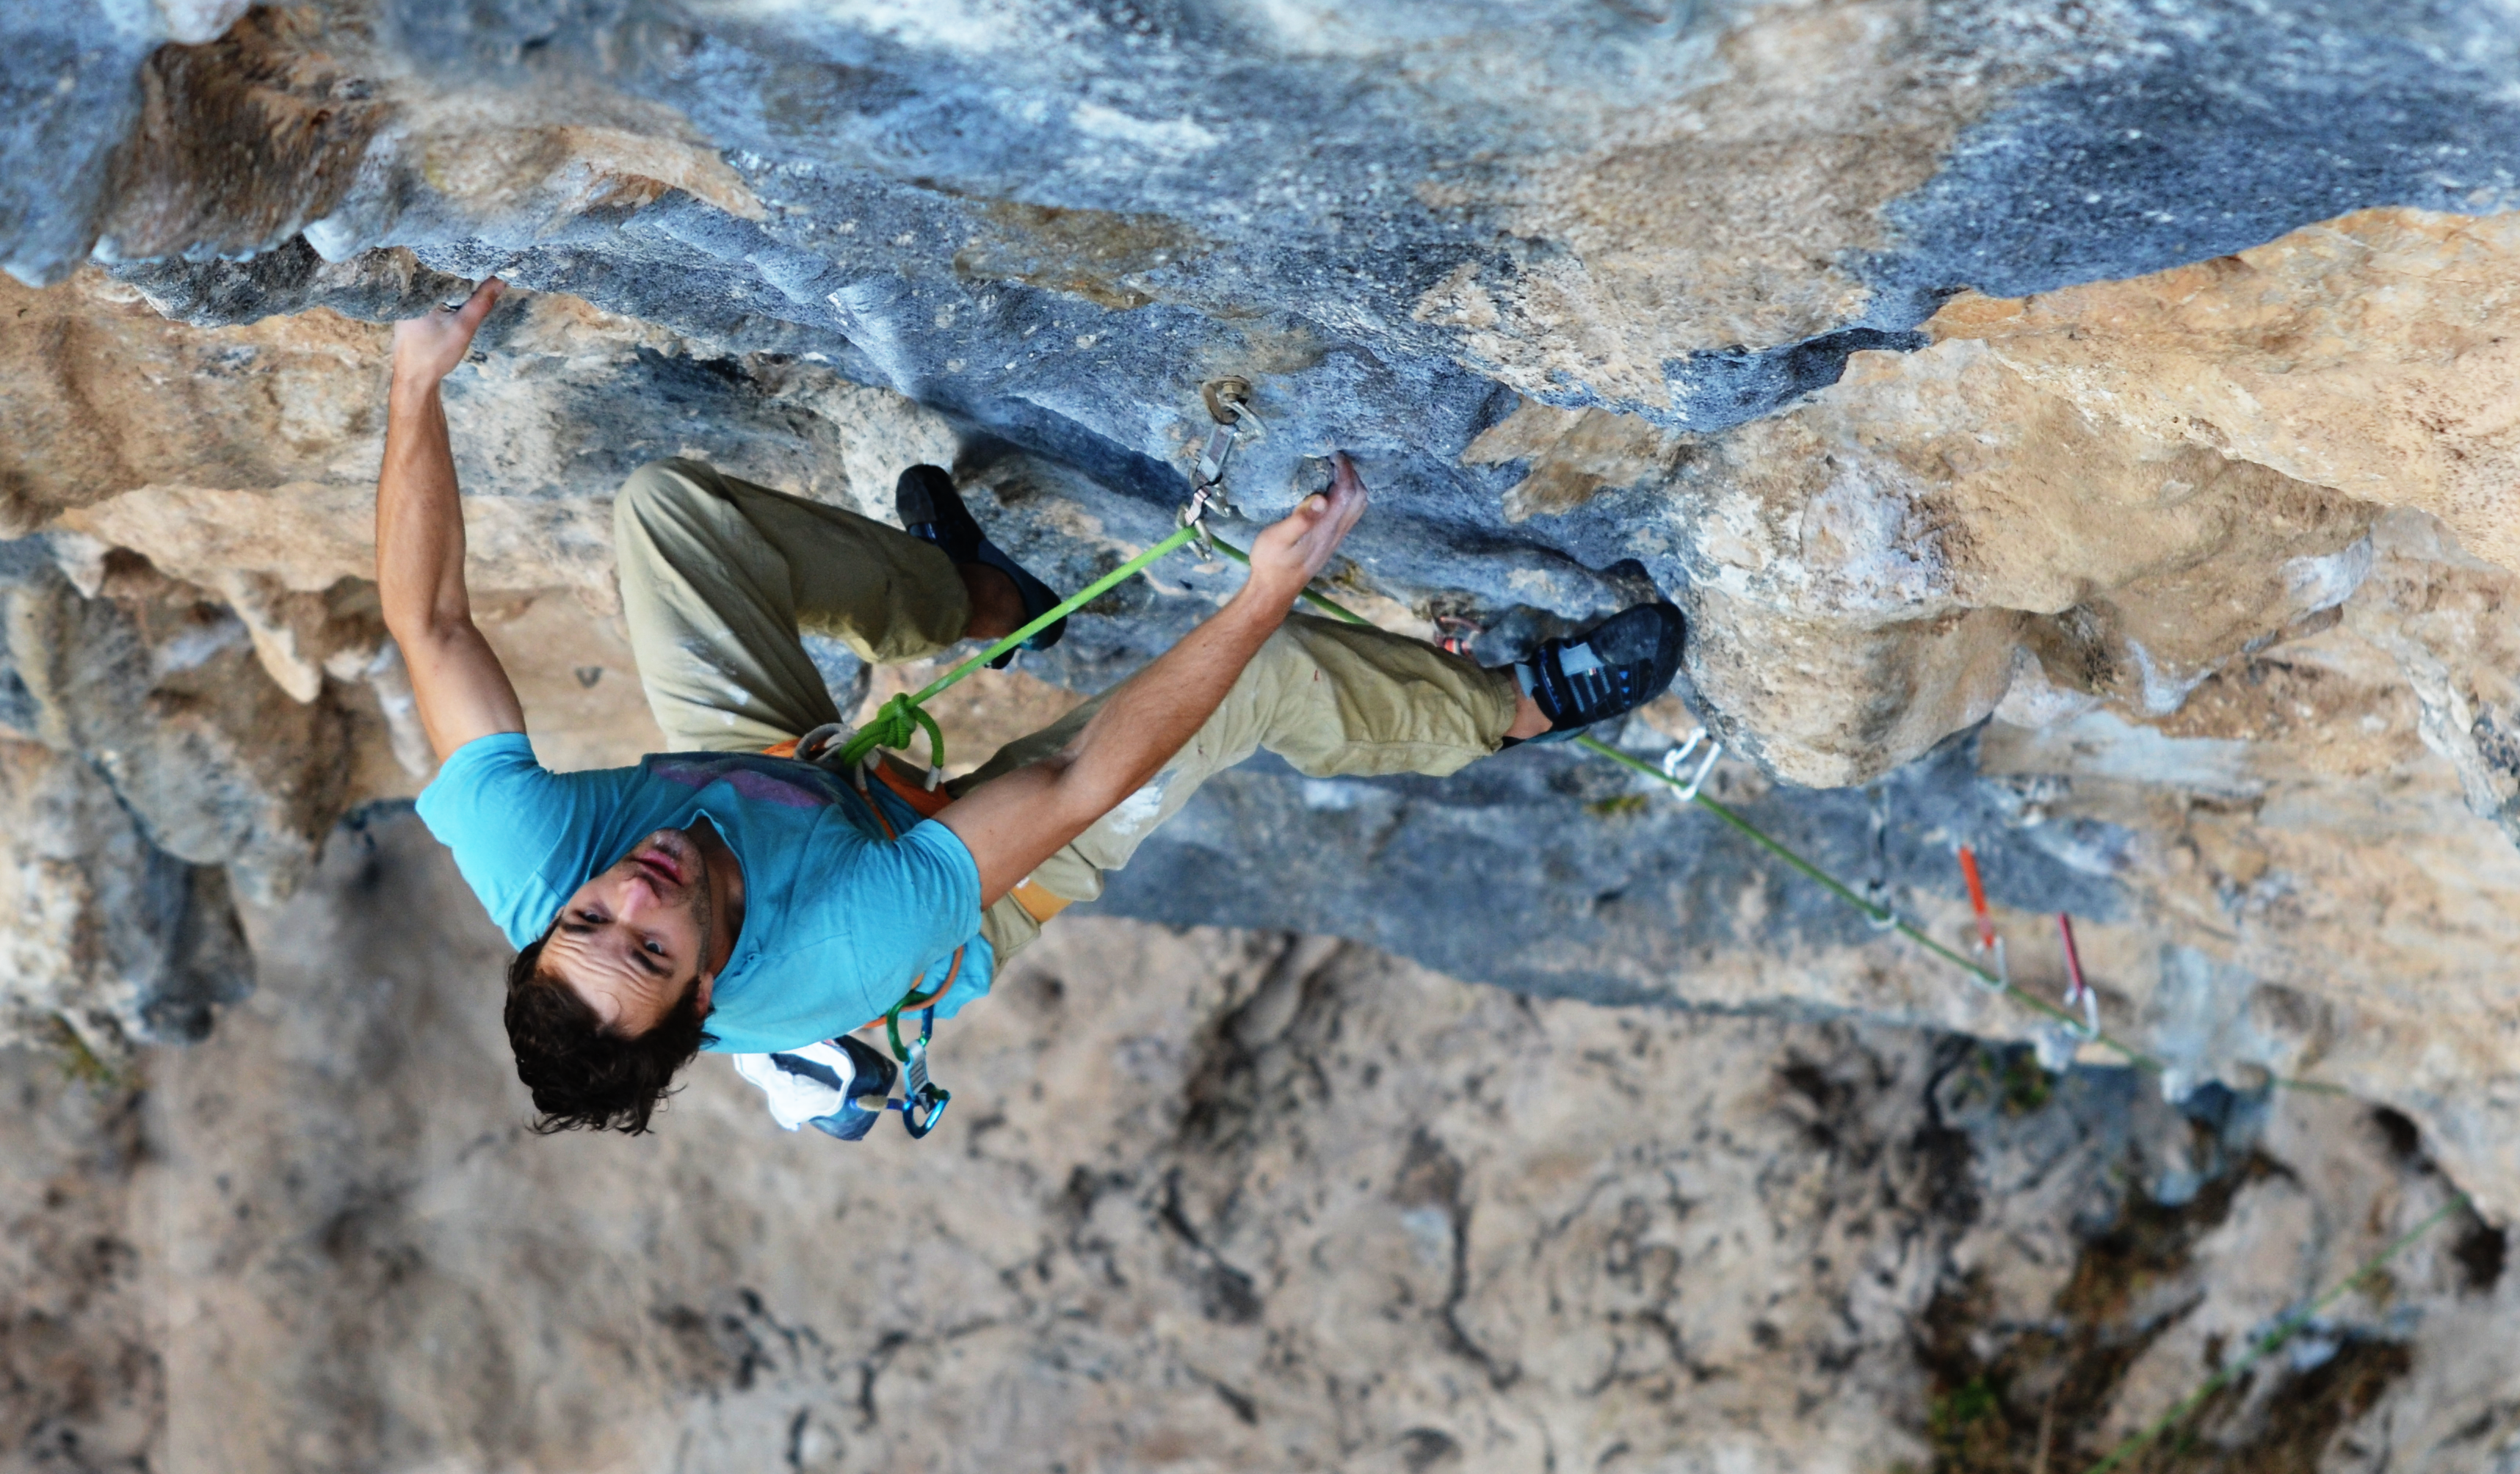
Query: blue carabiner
x=924, y=1101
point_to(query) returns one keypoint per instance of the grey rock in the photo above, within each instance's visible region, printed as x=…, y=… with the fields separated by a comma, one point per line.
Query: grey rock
x=1205, y=1194
x=112, y=941
x=156, y=684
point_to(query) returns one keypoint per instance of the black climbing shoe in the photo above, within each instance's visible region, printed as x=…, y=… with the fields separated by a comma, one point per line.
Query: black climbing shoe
x=1609, y=670
x=932, y=510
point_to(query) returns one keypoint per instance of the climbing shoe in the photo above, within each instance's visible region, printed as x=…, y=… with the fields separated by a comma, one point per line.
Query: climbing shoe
x=1609, y=670
x=932, y=511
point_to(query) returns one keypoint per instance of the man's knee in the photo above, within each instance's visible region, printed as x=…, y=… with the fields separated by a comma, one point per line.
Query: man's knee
x=657, y=491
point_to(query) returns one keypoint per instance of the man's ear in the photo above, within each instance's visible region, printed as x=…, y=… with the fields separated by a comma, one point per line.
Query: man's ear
x=702, y=985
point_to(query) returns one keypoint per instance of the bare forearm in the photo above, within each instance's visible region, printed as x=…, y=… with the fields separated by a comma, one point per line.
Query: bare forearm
x=1160, y=709
x=1014, y=822
x=461, y=692
x=419, y=518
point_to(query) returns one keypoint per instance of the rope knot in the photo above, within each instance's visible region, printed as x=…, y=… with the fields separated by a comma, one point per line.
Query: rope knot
x=892, y=726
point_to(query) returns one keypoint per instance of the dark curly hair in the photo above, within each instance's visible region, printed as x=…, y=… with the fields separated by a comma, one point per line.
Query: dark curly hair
x=582, y=1077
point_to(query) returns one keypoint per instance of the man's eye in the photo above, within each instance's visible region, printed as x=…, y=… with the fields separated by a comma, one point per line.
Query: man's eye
x=657, y=947
x=591, y=917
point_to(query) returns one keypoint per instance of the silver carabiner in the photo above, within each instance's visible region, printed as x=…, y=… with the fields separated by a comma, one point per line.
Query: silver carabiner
x=1678, y=758
x=1214, y=456
x=2003, y=970
x=1877, y=891
x=1193, y=516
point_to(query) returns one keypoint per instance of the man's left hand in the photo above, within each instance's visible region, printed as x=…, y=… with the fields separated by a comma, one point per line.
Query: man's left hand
x=1292, y=552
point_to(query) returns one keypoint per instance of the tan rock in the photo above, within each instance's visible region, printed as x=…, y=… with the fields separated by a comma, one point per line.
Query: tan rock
x=1571, y=455
x=2377, y=354
x=101, y=395
x=1870, y=561
x=304, y=538
x=2161, y=473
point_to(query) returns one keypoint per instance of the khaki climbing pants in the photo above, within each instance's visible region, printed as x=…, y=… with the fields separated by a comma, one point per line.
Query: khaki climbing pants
x=719, y=576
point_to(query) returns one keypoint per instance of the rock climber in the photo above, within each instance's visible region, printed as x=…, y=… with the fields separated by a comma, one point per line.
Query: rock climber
x=732, y=897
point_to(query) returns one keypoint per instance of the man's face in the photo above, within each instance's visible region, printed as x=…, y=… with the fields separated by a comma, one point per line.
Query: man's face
x=633, y=940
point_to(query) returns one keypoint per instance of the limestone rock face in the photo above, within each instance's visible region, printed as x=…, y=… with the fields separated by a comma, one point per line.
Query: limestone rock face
x=1204, y=1197
x=2083, y=432
x=114, y=940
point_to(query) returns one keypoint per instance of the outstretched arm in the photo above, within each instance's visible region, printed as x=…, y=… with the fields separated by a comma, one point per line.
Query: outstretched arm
x=463, y=692
x=1013, y=823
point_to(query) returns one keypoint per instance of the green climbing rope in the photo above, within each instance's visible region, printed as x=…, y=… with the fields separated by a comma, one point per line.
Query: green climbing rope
x=2283, y=1331
x=896, y=721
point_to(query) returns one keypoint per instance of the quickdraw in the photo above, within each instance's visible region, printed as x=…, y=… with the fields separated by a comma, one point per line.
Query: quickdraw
x=1876, y=890
x=1229, y=404
x=2058, y=1040
x=2078, y=991
x=1997, y=978
x=1678, y=758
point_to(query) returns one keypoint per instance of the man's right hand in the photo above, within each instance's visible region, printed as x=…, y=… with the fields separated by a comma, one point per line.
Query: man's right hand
x=426, y=350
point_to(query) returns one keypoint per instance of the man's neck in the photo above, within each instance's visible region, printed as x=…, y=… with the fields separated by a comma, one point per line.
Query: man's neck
x=726, y=890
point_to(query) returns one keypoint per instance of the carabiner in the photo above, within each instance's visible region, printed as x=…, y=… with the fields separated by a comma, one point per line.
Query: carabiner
x=1877, y=891
x=2077, y=989
x=1998, y=979
x=924, y=1101
x=1193, y=516
x=1678, y=758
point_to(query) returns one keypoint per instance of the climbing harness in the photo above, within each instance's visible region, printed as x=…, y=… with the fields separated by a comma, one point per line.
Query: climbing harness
x=858, y=1081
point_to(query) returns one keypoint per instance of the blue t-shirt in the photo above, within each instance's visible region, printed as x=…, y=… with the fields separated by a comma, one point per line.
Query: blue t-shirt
x=837, y=920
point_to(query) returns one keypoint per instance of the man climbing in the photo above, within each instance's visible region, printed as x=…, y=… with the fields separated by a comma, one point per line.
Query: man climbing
x=733, y=896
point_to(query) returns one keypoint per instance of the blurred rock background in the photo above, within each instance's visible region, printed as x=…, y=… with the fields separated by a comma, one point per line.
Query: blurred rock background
x=2079, y=430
